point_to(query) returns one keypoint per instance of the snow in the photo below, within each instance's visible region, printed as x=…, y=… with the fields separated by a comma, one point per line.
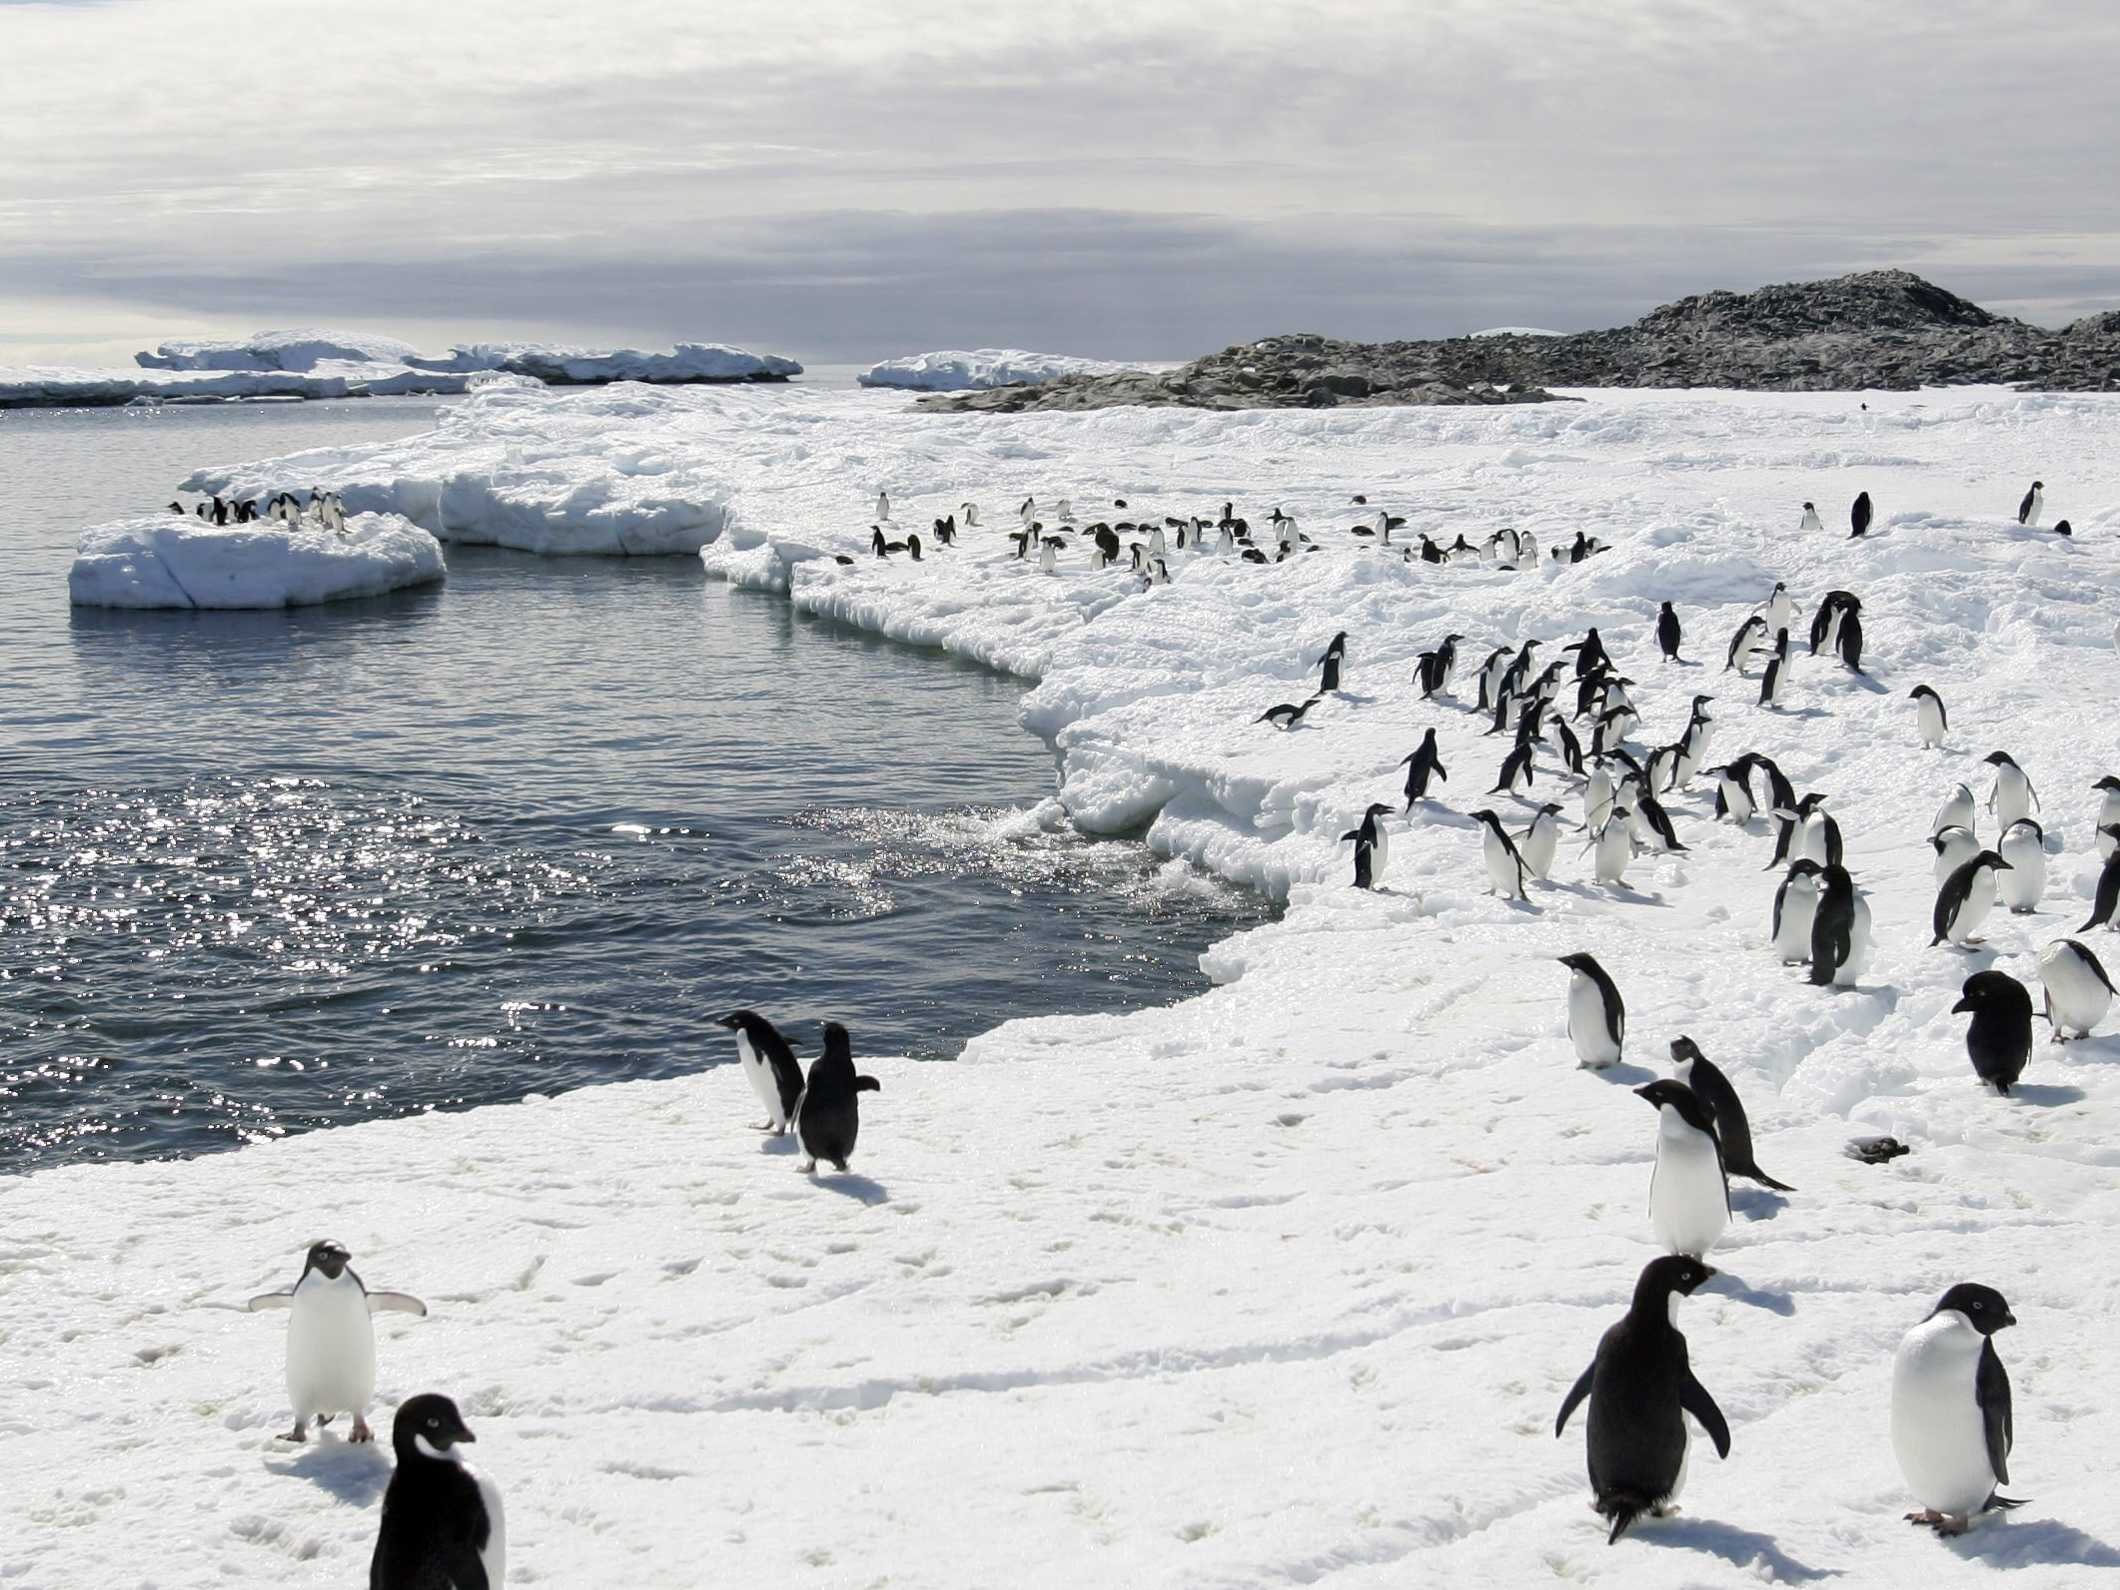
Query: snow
x=55, y=386
x=1282, y=1284
x=562, y=365
x=958, y=370
x=178, y=560
x=278, y=350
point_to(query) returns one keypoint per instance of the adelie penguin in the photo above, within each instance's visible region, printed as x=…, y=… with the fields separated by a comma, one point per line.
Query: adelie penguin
x=1840, y=931
x=1964, y=901
x=1998, y=1039
x=1507, y=875
x=768, y=1064
x=331, y=1339
x=1931, y=722
x=1733, y=1129
x=2077, y=991
x=442, y=1527
x=1597, y=1016
x=1641, y=1387
x=1423, y=767
x=1371, y=846
x=1689, y=1190
x=828, y=1114
x=1952, y=1422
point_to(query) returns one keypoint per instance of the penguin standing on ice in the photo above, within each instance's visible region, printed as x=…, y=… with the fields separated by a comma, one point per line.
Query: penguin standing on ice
x=1733, y=1129
x=330, y=1339
x=1669, y=634
x=1840, y=930
x=1998, y=1039
x=1506, y=872
x=1371, y=846
x=1641, y=1386
x=768, y=1063
x=1811, y=521
x=1964, y=901
x=2012, y=797
x=1689, y=1190
x=2034, y=504
x=1422, y=767
x=2023, y=877
x=442, y=1527
x=828, y=1114
x=1931, y=722
x=1795, y=904
x=1952, y=1423
x=1859, y=516
x=1334, y=657
x=1597, y=1016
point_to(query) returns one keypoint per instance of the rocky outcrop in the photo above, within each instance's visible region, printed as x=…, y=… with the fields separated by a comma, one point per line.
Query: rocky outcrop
x=1879, y=330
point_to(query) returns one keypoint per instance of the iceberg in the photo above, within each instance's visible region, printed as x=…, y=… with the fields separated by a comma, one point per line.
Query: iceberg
x=957, y=370
x=179, y=560
x=557, y=364
x=277, y=350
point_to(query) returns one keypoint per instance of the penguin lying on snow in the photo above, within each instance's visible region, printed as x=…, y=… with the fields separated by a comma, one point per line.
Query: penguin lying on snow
x=769, y=1063
x=330, y=1339
x=442, y=1527
x=1641, y=1386
x=1952, y=1422
x=828, y=1114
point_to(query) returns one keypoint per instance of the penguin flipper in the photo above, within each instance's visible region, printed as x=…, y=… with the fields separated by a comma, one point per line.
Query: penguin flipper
x=396, y=1303
x=266, y=1300
x=1694, y=1398
x=1576, y=1393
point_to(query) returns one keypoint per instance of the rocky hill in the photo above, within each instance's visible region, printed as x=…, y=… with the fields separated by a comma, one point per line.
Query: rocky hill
x=1887, y=330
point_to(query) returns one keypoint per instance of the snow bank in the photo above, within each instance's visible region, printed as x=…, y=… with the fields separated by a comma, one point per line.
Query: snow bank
x=176, y=560
x=60, y=386
x=278, y=350
x=558, y=364
x=954, y=370
x=1283, y=1284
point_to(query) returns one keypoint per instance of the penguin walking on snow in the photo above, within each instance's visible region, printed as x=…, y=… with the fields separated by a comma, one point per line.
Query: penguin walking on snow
x=1689, y=1190
x=1506, y=872
x=331, y=1339
x=2078, y=993
x=1952, y=1423
x=828, y=1114
x=1371, y=846
x=2034, y=504
x=768, y=1063
x=1998, y=1040
x=1840, y=930
x=1641, y=1386
x=1931, y=722
x=442, y=1526
x=1966, y=898
x=1733, y=1129
x=1423, y=767
x=1597, y=1016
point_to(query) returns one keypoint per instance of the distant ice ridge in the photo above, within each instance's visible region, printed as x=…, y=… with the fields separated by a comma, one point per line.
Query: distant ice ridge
x=176, y=560
x=558, y=364
x=302, y=349
x=958, y=370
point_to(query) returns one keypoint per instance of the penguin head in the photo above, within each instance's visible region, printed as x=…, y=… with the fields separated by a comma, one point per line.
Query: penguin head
x=1983, y=1306
x=428, y=1426
x=1674, y=1275
x=1990, y=990
x=329, y=1259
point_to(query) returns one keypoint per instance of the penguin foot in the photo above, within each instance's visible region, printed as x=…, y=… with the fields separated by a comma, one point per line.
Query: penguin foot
x=361, y=1432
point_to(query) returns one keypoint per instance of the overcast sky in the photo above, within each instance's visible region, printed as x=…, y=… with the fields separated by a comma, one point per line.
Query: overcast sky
x=848, y=179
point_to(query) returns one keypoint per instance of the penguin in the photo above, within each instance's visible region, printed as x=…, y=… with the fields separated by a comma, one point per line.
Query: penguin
x=1954, y=847
x=1516, y=774
x=1287, y=715
x=1597, y=1016
x=1614, y=843
x=1964, y=901
x=330, y=1339
x=1744, y=643
x=2023, y=878
x=1772, y=681
x=1811, y=521
x=1931, y=722
x=1641, y=1386
x=2107, y=899
x=769, y=1063
x=2077, y=990
x=1506, y=872
x=1422, y=767
x=2108, y=815
x=1999, y=1038
x=1537, y=843
x=1955, y=812
x=2034, y=504
x=1371, y=846
x=442, y=1526
x=828, y=1114
x=1733, y=1130
x=1689, y=1190
x=1859, y=516
x=1795, y=905
x=1952, y=1424
x=1840, y=930
x=1335, y=655
x=2013, y=796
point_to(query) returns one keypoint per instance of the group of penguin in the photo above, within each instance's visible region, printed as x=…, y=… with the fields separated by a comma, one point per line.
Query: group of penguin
x=442, y=1525
x=323, y=508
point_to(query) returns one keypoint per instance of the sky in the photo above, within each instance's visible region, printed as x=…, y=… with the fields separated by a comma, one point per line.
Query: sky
x=844, y=180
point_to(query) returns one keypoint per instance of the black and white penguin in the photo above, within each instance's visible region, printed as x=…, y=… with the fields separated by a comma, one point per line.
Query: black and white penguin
x=1689, y=1190
x=1507, y=875
x=2023, y=878
x=1810, y=521
x=2078, y=993
x=768, y=1063
x=1952, y=1423
x=1597, y=1016
x=442, y=1526
x=1334, y=657
x=2107, y=900
x=1422, y=767
x=1750, y=637
x=2034, y=504
x=1371, y=846
x=1840, y=930
x=1931, y=722
x=331, y=1338
x=1860, y=515
x=1999, y=1037
x=1795, y=905
x=1964, y=901
x=2012, y=797
x=1287, y=715
x=1641, y=1386
x=1774, y=680
x=1733, y=1129
x=828, y=1114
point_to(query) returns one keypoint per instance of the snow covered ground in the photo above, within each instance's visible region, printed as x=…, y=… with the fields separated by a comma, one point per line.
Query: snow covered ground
x=958, y=370
x=1283, y=1284
x=301, y=349
x=176, y=560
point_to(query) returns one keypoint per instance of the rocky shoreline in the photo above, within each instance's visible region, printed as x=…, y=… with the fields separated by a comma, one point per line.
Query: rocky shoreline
x=1877, y=330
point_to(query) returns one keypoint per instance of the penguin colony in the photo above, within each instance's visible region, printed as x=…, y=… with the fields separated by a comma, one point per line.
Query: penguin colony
x=442, y=1523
